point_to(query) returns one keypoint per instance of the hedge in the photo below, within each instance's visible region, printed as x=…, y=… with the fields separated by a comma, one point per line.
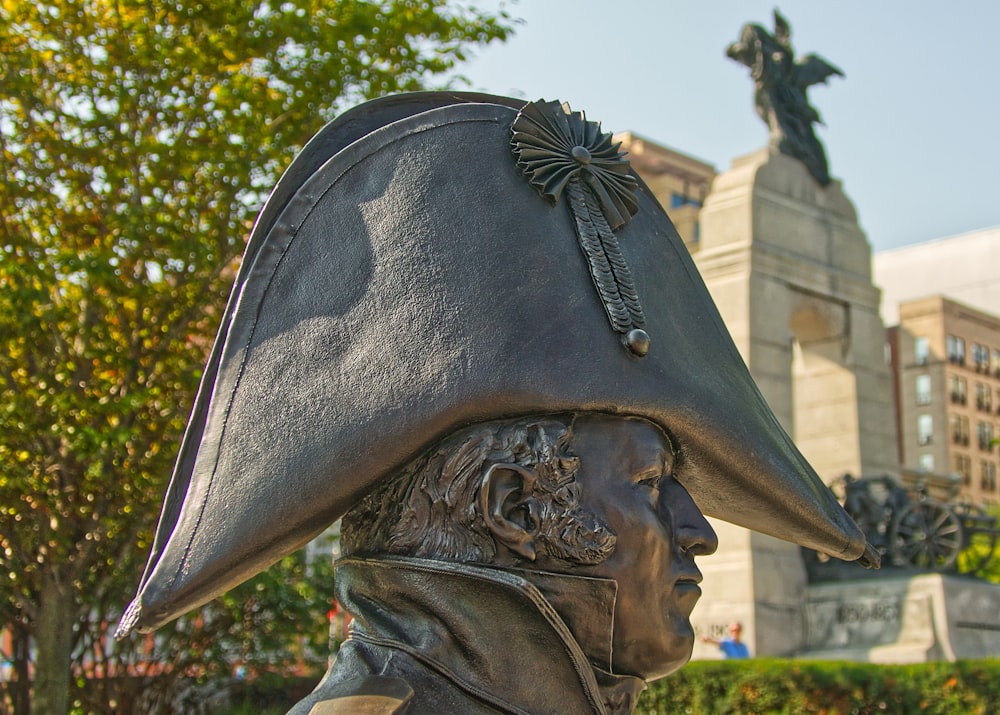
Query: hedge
x=759, y=686
x=763, y=687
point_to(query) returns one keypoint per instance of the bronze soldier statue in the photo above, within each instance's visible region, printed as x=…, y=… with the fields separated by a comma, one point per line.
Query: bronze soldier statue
x=780, y=85
x=465, y=328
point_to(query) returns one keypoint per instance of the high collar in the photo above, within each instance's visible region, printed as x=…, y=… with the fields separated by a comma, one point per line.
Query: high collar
x=493, y=633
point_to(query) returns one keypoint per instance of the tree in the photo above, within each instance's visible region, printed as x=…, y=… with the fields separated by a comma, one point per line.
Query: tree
x=981, y=555
x=273, y=625
x=138, y=140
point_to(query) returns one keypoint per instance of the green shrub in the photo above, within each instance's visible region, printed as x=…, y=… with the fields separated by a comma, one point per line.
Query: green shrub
x=759, y=686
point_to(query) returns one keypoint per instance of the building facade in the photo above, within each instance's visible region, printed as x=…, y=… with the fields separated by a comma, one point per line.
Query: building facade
x=679, y=182
x=963, y=268
x=946, y=362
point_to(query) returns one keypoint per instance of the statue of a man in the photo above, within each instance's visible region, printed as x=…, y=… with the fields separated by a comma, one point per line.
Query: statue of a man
x=463, y=327
x=780, y=84
x=528, y=574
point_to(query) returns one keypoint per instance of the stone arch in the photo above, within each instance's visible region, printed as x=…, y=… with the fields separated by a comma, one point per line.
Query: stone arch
x=824, y=386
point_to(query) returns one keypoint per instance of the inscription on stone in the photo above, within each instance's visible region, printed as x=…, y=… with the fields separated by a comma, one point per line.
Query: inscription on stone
x=881, y=611
x=858, y=622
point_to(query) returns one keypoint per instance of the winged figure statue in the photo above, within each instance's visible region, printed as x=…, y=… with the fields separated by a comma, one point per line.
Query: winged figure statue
x=780, y=84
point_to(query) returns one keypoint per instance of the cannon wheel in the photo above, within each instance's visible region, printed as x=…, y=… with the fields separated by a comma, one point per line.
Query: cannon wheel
x=927, y=535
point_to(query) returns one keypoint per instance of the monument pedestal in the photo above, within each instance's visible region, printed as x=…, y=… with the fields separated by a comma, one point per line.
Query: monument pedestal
x=790, y=271
x=903, y=619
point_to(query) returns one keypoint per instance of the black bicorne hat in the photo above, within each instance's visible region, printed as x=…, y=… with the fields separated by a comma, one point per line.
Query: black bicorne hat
x=431, y=261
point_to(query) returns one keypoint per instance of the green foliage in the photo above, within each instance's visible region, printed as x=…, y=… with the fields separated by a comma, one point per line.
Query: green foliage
x=981, y=557
x=267, y=696
x=279, y=617
x=273, y=628
x=760, y=686
x=137, y=141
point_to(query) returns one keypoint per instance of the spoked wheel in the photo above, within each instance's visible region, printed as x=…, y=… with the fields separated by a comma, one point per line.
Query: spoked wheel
x=926, y=535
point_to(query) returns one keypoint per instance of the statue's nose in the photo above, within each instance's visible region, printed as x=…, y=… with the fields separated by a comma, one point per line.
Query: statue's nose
x=692, y=531
x=699, y=539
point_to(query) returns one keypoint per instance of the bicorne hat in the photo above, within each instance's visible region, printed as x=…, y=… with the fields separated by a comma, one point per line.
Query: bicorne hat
x=434, y=260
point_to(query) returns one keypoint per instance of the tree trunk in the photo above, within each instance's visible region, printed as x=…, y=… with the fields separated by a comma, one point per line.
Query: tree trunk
x=20, y=684
x=56, y=614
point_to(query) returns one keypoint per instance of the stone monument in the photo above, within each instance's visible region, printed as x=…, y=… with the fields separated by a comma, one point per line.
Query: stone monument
x=902, y=618
x=779, y=246
x=926, y=603
x=463, y=326
x=789, y=267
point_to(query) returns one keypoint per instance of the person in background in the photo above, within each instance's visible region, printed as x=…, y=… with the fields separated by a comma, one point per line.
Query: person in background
x=731, y=646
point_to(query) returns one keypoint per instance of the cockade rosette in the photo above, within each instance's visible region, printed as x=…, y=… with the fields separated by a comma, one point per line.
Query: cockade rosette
x=554, y=144
x=559, y=152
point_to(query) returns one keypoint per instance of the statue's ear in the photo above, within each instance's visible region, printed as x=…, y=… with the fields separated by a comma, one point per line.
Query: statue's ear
x=509, y=509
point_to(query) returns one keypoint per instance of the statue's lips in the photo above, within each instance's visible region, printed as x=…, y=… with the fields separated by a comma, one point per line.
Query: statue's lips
x=686, y=594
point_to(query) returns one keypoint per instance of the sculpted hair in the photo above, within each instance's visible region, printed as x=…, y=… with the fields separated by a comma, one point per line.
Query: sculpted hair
x=431, y=509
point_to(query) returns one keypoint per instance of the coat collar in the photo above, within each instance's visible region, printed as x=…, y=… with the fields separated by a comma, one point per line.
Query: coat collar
x=526, y=646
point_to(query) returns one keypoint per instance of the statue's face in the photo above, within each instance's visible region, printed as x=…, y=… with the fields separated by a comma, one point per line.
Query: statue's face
x=626, y=480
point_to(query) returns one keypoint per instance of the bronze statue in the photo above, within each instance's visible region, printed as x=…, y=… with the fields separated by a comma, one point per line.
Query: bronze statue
x=780, y=84
x=527, y=531
x=464, y=327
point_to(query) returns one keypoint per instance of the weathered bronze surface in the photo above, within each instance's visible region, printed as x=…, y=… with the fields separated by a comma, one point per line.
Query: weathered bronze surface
x=588, y=543
x=466, y=328
x=780, y=84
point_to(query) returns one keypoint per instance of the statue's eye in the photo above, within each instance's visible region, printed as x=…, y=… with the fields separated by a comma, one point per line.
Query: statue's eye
x=652, y=482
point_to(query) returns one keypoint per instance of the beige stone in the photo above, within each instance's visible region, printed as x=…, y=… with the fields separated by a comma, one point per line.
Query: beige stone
x=790, y=270
x=903, y=620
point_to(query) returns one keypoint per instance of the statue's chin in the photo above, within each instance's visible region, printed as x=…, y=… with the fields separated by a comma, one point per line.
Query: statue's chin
x=675, y=657
x=669, y=671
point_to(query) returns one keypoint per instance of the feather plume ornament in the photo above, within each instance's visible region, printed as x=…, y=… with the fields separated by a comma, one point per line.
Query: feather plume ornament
x=559, y=152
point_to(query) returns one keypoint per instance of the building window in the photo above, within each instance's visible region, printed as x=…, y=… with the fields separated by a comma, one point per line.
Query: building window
x=925, y=429
x=963, y=467
x=988, y=476
x=923, y=389
x=677, y=200
x=956, y=350
x=956, y=388
x=996, y=362
x=981, y=357
x=927, y=462
x=984, y=397
x=959, y=429
x=984, y=431
x=921, y=350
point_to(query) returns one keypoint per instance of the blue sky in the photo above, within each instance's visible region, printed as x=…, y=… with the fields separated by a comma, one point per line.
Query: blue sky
x=912, y=131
